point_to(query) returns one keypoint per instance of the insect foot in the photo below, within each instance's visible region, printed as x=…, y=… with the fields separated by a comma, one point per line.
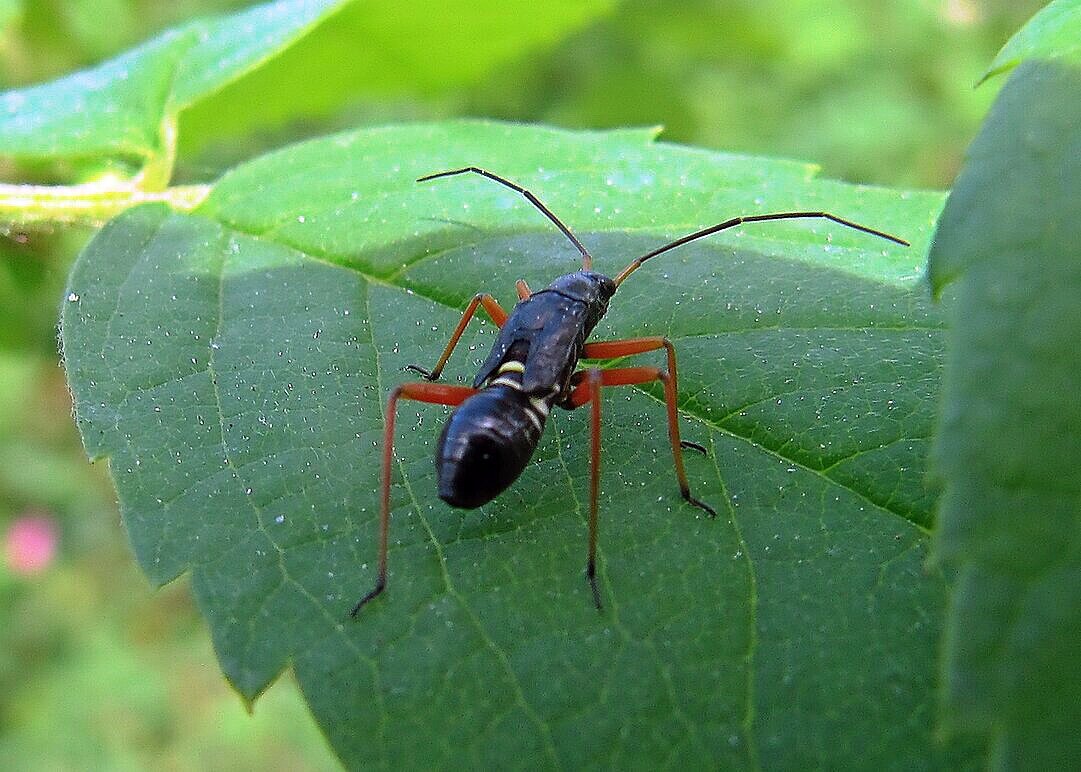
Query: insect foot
x=425, y=374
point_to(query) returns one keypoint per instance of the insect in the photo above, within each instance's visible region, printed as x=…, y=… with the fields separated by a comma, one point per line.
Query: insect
x=533, y=365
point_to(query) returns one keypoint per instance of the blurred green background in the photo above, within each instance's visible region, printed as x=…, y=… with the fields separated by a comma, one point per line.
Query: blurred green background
x=97, y=669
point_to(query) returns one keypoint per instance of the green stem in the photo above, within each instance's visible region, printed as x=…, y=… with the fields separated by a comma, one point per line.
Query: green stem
x=90, y=204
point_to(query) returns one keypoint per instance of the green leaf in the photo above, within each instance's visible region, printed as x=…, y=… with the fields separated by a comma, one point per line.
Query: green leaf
x=1053, y=32
x=387, y=50
x=233, y=364
x=9, y=11
x=1009, y=446
x=126, y=108
x=226, y=80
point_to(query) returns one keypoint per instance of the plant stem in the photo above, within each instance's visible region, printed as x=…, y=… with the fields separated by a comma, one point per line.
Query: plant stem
x=89, y=204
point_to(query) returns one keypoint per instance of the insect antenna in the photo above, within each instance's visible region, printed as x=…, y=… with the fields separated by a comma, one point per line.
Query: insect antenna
x=587, y=259
x=751, y=218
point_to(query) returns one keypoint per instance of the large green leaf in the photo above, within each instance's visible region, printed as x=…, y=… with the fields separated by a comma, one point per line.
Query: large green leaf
x=396, y=50
x=232, y=365
x=126, y=107
x=260, y=67
x=1010, y=440
x=1054, y=31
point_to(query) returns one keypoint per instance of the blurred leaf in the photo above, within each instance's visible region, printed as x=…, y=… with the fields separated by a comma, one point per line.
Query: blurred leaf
x=1054, y=31
x=82, y=24
x=1009, y=446
x=387, y=49
x=50, y=38
x=125, y=108
x=232, y=366
x=9, y=11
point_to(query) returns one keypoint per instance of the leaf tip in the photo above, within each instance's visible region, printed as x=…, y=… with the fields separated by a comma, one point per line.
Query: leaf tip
x=995, y=69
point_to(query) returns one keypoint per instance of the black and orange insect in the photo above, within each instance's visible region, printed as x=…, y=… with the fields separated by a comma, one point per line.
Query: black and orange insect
x=497, y=423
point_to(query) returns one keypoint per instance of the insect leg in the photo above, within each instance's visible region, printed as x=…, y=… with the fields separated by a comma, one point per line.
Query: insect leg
x=610, y=349
x=438, y=394
x=495, y=311
x=523, y=289
x=593, y=383
x=624, y=376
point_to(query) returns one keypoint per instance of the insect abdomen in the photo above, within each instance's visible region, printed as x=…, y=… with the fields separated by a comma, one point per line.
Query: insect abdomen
x=486, y=444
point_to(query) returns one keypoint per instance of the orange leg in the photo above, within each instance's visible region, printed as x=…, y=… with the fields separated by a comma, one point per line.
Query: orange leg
x=625, y=376
x=523, y=289
x=495, y=311
x=587, y=389
x=610, y=349
x=437, y=394
x=593, y=384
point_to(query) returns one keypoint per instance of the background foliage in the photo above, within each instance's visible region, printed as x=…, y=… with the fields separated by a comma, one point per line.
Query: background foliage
x=877, y=92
